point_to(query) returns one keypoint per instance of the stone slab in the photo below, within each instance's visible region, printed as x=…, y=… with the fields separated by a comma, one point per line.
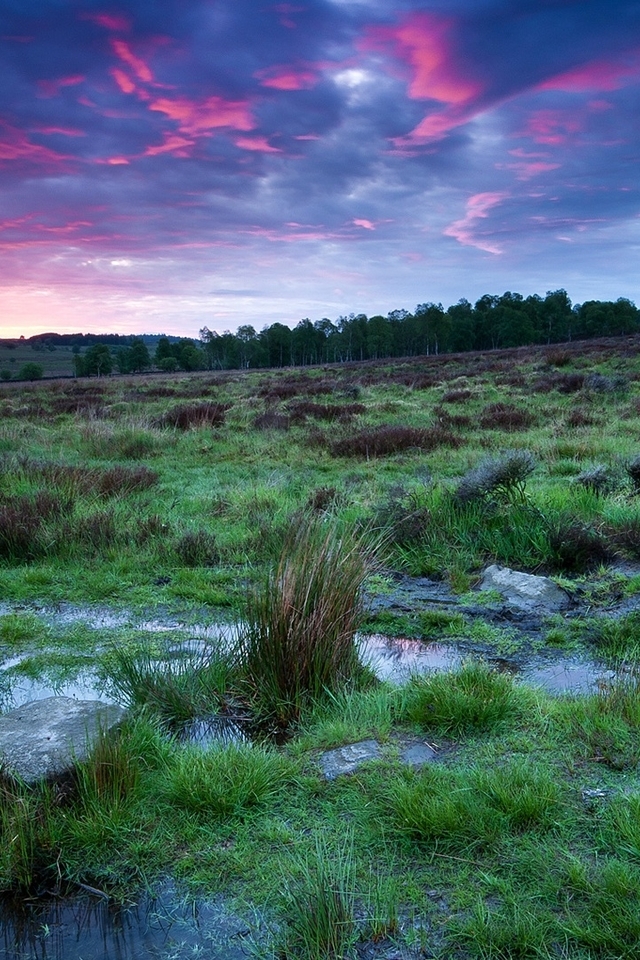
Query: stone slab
x=417, y=754
x=348, y=759
x=525, y=591
x=45, y=738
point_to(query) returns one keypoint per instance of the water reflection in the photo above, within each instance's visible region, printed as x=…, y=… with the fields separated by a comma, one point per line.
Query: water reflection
x=396, y=659
x=90, y=928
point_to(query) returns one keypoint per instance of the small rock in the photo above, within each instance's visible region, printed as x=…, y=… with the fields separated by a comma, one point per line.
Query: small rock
x=46, y=738
x=418, y=754
x=348, y=759
x=525, y=591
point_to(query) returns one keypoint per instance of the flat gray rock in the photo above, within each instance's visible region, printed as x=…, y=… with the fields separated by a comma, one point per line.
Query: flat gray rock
x=525, y=591
x=45, y=738
x=347, y=759
x=418, y=754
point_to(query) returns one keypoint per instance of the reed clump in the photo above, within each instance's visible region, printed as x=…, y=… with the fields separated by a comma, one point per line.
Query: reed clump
x=299, y=638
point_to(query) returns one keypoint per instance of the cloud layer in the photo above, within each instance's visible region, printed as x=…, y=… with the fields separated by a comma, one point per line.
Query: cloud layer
x=166, y=165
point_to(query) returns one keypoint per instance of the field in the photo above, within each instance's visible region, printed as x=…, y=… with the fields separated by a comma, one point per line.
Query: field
x=288, y=504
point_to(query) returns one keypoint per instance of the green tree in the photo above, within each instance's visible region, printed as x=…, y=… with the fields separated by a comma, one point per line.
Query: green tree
x=97, y=361
x=31, y=371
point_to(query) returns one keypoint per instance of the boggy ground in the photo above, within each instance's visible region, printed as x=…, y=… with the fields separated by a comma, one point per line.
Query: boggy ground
x=166, y=497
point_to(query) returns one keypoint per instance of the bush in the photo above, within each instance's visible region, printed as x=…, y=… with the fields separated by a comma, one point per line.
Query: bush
x=598, y=479
x=189, y=415
x=389, y=439
x=30, y=371
x=505, y=416
x=504, y=476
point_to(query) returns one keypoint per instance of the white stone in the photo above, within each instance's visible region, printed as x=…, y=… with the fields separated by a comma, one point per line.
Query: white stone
x=525, y=591
x=46, y=738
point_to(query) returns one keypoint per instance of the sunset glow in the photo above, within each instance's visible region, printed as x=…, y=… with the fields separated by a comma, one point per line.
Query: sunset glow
x=310, y=159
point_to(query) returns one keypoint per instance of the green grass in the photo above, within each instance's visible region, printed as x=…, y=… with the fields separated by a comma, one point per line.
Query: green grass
x=520, y=841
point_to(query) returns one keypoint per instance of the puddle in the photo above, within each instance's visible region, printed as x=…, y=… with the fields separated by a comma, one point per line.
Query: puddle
x=203, y=732
x=568, y=676
x=92, y=928
x=396, y=659
x=84, y=686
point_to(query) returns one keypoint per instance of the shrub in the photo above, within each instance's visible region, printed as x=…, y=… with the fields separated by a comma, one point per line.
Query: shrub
x=197, y=548
x=633, y=472
x=505, y=416
x=31, y=371
x=578, y=418
x=189, y=415
x=504, y=476
x=389, y=439
x=456, y=396
x=272, y=420
x=598, y=479
x=299, y=636
x=575, y=547
x=598, y=383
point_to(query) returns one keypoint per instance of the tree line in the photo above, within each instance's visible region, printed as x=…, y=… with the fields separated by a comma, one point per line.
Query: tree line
x=510, y=320
x=493, y=322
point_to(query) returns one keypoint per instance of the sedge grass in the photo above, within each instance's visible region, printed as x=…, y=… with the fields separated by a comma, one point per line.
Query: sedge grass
x=299, y=638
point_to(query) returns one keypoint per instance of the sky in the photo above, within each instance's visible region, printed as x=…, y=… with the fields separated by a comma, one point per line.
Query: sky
x=167, y=165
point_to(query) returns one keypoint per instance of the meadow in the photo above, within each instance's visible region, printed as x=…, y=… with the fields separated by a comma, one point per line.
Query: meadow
x=280, y=502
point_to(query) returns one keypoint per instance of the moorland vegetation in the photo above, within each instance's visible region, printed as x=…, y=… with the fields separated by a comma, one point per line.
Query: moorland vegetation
x=270, y=499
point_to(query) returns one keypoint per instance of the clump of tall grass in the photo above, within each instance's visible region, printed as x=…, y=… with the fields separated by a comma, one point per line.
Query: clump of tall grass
x=129, y=442
x=225, y=780
x=299, y=637
x=175, y=688
x=607, y=723
x=197, y=548
x=319, y=910
x=504, y=477
x=574, y=546
x=188, y=415
x=506, y=416
x=27, y=846
x=475, y=807
x=473, y=698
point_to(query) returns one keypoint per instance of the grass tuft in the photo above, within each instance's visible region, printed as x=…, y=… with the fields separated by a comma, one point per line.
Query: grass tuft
x=472, y=698
x=299, y=638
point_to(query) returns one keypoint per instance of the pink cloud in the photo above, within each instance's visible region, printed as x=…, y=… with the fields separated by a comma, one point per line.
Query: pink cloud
x=478, y=207
x=287, y=78
x=553, y=127
x=285, y=9
x=51, y=88
x=599, y=75
x=197, y=119
x=14, y=145
x=365, y=224
x=110, y=21
x=258, y=144
x=124, y=82
x=525, y=170
x=61, y=131
x=124, y=52
x=424, y=44
x=173, y=144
